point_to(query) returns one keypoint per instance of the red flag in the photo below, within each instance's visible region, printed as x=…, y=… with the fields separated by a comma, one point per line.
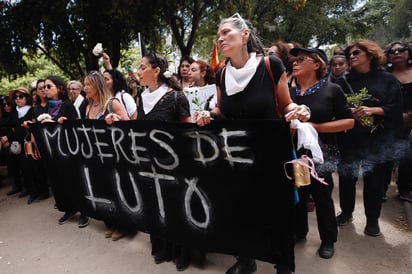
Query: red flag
x=130, y=72
x=215, y=57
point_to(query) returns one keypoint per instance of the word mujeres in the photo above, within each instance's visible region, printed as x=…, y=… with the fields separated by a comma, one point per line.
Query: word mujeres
x=204, y=187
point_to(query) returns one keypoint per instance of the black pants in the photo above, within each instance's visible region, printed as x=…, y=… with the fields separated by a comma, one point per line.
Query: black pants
x=325, y=209
x=373, y=185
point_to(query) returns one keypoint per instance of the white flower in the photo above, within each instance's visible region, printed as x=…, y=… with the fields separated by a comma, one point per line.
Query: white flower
x=43, y=116
x=98, y=49
x=167, y=74
x=191, y=90
x=100, y=61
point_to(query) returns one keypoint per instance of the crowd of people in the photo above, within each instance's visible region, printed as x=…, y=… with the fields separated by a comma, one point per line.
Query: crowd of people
x=368, y=135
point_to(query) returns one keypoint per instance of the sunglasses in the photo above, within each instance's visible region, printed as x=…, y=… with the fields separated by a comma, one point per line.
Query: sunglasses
x=237, y=15
x=300, y=59
x=19, y=96
x=93, y=72
x=356, y=52
x=48, y=86
x=399, y=50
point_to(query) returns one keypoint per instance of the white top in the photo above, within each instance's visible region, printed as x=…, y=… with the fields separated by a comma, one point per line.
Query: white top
x=127, y=101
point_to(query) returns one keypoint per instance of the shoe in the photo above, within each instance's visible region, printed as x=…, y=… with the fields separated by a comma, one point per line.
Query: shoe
x=31, y=199
x=372, y=228
x=67, y=216
x=326, y=250
x=406, y=197
x=282, y=269
x=83, y=221
x=344, y=218
x=42, y=197
x=13, y=191
x=117, y=235
x=242, y=266
x=24, y=193
x=182, y=261
x=108, y=232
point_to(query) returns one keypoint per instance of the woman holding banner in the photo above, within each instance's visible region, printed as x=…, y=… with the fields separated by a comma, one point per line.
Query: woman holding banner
x=102, y=105
x=163, y=100
x=246, y=90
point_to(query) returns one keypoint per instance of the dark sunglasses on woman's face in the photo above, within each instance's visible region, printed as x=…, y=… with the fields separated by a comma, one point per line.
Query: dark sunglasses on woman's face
x=48, y=86
x=19, y=97
x=399, y=50
x=356, y=52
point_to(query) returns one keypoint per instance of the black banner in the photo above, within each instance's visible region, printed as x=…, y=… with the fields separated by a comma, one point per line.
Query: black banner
x=221, y=187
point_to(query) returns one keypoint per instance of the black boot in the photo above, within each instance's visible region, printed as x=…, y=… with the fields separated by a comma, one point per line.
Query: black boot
x=242, y=266
x=372, y=227
x=182, y=260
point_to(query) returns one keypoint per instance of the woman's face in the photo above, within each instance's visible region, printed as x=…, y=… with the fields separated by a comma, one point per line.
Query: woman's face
x=73, y=90
x=184, y=69
x=358, y=58
x=304, y=66
x=90, y=90
x=7, y=106
x=20, y=99
x=195, y=75
x=109, y=80
x=147, y=74
x=338, y=66
x=41, y=91
x=398, y=54
x=231, y=40
x=52, y=91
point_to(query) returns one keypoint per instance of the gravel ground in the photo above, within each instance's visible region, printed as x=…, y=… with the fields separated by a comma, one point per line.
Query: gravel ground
x=31, y=241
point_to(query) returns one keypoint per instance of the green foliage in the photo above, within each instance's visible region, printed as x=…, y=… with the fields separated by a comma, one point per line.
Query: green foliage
x=357, y=100
x=39, y=68
x=64, y=32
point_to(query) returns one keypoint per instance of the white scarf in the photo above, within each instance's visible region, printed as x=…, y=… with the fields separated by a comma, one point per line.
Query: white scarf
x=21, y=111
x=237, y=79
x=77, y=103
x=150, y=99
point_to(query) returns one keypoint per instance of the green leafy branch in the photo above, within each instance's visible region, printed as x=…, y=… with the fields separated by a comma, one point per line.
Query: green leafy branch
x=356, y=100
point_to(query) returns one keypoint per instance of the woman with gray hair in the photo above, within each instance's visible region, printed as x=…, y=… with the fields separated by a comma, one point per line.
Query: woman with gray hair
x=246, y=90
x=76, y=95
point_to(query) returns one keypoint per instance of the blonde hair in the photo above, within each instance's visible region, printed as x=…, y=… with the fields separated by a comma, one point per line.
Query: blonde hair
x=96, y=79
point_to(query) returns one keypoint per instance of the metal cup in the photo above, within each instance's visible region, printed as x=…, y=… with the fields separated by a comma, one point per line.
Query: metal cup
x=301, y=174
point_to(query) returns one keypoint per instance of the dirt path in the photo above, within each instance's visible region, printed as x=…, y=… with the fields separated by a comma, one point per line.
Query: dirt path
x=31, y=241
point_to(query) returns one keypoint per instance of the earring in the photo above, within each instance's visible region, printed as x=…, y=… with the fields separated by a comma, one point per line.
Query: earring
x=409, y=61
x=389, y=65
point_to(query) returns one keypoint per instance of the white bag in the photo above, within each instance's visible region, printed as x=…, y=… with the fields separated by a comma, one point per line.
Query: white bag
x=15, y=147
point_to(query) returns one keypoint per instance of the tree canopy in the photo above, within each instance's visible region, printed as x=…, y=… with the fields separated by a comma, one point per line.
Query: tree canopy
x=64, y=32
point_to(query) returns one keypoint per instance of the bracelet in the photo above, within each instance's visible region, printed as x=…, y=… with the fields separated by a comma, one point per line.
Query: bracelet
x=307, y=108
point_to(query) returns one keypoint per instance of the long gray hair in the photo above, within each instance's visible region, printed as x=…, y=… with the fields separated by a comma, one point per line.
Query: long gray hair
x=254, y=44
